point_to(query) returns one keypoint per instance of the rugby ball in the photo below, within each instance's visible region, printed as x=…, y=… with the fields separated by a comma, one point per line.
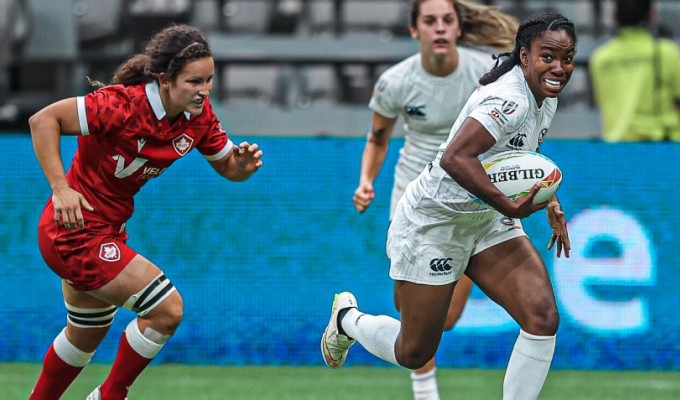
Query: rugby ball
x=515, y=172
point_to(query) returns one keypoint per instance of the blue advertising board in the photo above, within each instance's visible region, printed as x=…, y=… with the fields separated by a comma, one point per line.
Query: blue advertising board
x=257, y=262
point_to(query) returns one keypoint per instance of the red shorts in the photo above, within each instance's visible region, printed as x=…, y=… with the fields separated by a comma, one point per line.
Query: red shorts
x=86, y=258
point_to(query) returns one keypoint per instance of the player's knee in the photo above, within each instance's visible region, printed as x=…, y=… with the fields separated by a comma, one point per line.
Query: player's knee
x=413, y=360
x=158, y=301
x=168, y=315
x=172, y=312
x=415, y=357
x=542, y=320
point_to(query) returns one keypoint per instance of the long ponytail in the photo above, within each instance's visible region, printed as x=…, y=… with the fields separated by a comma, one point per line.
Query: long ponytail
x=481, y=25
x=485, y=26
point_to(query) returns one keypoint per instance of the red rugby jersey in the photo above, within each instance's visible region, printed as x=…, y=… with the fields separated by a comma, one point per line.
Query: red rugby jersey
x=126, y=140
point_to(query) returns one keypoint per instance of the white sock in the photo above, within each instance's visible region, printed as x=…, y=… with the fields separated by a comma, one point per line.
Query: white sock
x=69, y=353
x=425, y=385
x=528, y=366
x=377, y=333
x=139, y=343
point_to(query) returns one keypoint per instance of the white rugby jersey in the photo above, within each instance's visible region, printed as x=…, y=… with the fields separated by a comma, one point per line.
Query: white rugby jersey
x=509, y=112
x=429, y=105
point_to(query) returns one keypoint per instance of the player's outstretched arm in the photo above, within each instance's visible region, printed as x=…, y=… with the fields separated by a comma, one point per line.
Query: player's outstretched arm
x=244, y=160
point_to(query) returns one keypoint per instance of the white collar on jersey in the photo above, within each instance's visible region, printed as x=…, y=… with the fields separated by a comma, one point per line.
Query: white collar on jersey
x=154, y=95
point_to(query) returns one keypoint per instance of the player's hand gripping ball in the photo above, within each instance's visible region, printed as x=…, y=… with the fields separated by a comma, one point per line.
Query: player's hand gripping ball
x=515, y=172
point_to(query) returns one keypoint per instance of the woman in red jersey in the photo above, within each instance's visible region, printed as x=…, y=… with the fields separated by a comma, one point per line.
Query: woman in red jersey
x=155, y=112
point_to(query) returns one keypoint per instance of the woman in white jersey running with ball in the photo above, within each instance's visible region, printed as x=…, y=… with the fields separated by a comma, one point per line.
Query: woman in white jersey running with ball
x=428, y=90
x=437, y=220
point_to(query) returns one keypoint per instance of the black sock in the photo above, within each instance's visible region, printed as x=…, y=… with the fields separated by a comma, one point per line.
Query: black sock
x=341, y=315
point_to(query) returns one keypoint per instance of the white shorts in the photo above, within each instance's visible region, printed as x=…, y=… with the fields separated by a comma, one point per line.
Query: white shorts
x=432, y=244
x=397, y=193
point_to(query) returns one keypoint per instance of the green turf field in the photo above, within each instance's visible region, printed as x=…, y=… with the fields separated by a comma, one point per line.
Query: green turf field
x=316, y=383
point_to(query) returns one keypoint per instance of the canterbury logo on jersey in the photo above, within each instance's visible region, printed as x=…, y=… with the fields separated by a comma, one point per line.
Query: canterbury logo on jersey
x=441, y=266
x=415, y=112
x=517, y=142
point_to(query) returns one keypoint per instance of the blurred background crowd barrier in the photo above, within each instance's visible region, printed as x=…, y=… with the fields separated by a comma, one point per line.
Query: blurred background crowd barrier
x=275, y=58
x=258, y=262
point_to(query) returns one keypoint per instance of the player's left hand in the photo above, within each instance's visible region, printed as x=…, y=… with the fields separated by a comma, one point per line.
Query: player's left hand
x=248, y=156
x=560, y=234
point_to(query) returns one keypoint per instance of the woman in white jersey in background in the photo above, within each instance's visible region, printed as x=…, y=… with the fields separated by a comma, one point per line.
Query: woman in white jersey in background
x=436, y=219
x=428, y=90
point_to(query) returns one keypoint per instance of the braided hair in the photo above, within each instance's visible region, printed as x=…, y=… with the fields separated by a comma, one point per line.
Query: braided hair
x=166, y=52
x=529, y=29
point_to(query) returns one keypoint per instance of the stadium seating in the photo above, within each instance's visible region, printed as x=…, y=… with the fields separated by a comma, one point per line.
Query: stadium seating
x=383, y=16
x=14, y=29
x=72, y=39
x=41, y=67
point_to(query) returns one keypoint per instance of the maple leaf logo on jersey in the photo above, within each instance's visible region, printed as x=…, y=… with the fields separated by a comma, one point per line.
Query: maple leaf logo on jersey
x=182, y=144
x=109, y=252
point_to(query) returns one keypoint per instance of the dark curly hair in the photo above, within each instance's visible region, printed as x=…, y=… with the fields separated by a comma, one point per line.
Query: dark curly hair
x=166, y=52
